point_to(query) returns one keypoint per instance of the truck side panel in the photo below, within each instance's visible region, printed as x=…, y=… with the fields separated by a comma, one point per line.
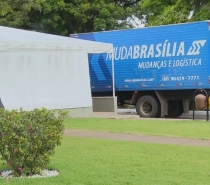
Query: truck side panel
x=100, y=69
x=158, y=58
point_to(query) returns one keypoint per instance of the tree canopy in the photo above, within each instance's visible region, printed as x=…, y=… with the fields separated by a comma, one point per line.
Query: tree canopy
x=63, y=17
x=160, y=12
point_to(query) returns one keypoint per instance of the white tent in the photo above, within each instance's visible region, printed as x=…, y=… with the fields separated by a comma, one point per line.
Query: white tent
x=42, y=70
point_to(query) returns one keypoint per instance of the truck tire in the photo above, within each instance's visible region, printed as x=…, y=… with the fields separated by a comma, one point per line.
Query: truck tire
x=148, y=107
x=175, y=109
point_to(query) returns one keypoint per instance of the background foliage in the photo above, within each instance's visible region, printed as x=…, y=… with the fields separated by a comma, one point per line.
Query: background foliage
x=63, y=17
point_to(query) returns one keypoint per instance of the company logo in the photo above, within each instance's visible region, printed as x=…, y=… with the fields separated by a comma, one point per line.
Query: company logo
x=160, y=50
x=196, y=46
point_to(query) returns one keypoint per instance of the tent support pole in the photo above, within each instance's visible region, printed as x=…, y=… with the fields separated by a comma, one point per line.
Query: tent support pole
x=113, y=79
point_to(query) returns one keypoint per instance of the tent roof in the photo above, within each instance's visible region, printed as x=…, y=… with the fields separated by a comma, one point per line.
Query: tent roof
x=12, y=39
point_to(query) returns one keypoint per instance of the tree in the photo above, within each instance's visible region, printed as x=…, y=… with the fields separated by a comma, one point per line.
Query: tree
x=14, y=13
x=202, y=13
x=63, y=17
x=66, y=16
x=160, y=12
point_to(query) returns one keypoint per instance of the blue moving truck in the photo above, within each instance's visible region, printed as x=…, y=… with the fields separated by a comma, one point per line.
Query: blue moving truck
x=156, y=68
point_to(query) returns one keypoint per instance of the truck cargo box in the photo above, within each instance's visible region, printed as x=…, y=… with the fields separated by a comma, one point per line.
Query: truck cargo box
x=153, y=58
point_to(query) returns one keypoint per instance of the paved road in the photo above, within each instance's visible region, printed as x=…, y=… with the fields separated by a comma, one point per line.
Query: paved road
x=131, y=114
x=200, y=115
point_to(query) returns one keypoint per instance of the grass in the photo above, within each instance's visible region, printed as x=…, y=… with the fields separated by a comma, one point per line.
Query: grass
x=186, y=128
x=105, y=162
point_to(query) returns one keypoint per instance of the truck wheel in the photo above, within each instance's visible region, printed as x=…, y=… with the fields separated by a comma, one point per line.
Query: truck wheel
x=148, y=107
x=175, y=109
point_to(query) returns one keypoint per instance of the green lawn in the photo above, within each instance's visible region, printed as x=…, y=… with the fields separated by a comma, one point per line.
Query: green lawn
x=105, y=162
x=187, y=128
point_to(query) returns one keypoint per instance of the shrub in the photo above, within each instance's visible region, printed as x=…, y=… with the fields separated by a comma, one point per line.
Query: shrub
x=28, y=138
